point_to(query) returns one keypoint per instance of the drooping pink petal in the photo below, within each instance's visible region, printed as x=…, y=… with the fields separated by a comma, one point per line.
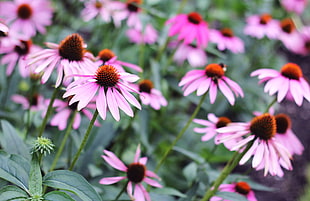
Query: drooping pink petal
x=114, y=161
x=111, y=180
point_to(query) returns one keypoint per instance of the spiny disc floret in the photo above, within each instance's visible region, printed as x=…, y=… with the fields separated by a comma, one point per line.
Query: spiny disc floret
x=242, y=188
x=146, y=86
x=283, y=123
x=263, y=126
x=136, y=172
x=222, y=122
x=107, y=76
x=291, y=71
x=194, y=18
x=24, y=11
x=71, y=48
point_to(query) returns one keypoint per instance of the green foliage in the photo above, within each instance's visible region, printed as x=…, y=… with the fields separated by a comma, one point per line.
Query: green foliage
x=12, y=193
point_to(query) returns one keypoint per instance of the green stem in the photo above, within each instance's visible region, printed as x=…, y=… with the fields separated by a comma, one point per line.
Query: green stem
x=48, y=112
x=64, y=140
x=180, y=134
x=231, y=164
x=78, y=153
x=121, y=192
x=271, y=104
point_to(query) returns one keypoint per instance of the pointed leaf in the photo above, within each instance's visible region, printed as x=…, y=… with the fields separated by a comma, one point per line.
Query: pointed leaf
x=8, y=193
x=57, y=196
x=168, y=191
x=72, y=182
x=231, y=196
x=35, y=177
x=191, y=155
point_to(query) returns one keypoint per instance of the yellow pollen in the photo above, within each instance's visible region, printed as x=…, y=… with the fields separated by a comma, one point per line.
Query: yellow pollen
x=194, y=17
x=263, y=126
x=214, y=70
x=146, y=86
x=265, y=18
x=106, y=55
x=222, y=122
x=107, y=76
x=24, y=11
x=291, y=71
x=283, y=123
x=227, y=32
x=287, y=25
x=242, y=188
x=71, y=48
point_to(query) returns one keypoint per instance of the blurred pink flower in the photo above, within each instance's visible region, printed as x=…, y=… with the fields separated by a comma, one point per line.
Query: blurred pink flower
x=4, y=29
x=136, y=173
x=108, y=57
x=211, y=78
x=69, y=57
x=190, y=27
x=148, y=35
x=302, y=46
x=269, y=154
x=289, y=82
x=195, y=56
x=149, y=95
x=112, y=87
x=64, y=110
x=259, y=26
x=35, y=103
x=27, y=16
x=289, y=35
x=296, y=6
x=240, y=187
x=225, y=39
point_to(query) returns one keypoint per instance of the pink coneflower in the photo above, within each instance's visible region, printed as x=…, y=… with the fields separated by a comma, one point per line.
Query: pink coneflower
x=113, y=91
x=148, y=35
x=241, y=187
x=27, y=16
x=286, y=136
x=225, y=39
x=262, y=25
x=69, y=57
x=211, y=78
x=136, y=173
x=194, y=55
x=102, y=8
x=64, y=110
x=302, y=46
x=35, y=103
x=16, y=54
x=107, y=56
x=149, y=95
x=269, y=154
x=190, y=27
x=296, y=6
x=289, y=35
x=289, y=82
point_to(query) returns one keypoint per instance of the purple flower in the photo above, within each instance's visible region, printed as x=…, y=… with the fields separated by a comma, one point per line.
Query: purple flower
x=147, y=35
x=296, y=6
x=195, y=56
x=225, y=39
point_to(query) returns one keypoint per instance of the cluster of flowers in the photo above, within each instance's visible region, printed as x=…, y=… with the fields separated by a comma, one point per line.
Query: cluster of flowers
x=101, y=82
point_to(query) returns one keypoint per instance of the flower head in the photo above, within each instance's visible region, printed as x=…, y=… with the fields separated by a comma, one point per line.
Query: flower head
x=147, y=35
x=268, y=153
x=26, y=17
x=225, y=39
x=43, y=145
x=241, y=187
x=289, y=82
x=194, y=55
x=189, y=27
x=35, y=102
x=136, y=173
x=289, y=35
x=69, y=57
x=302, y=44
x=259, y=26
x=296, y=6
x=211, y=78
x=112, y=87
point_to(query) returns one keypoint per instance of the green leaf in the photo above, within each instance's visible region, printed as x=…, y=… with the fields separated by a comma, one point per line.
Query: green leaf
x=8, y=193
x=191, y=155
x=35, y=177
x=57, y=196
x=72, y=182
x=231, y=196
x=190, y=172
x=11, y=141
x=15, y=169
x=168, y=191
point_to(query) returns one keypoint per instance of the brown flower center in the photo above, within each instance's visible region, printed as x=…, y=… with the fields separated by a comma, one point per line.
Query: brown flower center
x=106, y=54
x=215, y=70
x=23, y=48
x=222, y=122
x=74, y=105
x=194, y=17
x=34, y=100
x=307, y=45
x=133, y=5
x=98, y=5
x=265, y=18
x=227, y=32
x=146, y=86
x=107, y=76
x=24, y=11
x=263, y=126
x=136, y=172
x=291, y=71
x=287, y=25
x=283, y=123
x=71, y=48
x=242, y=188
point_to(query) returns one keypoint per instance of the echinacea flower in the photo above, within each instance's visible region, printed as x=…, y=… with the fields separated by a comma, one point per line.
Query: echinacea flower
x=211, y=78
x=112, y=87
x=302, y=46
x=289, y=82
x=136, y=173
x=69, y=57
x=269, y=154
x=64, y=110
x=27, y=16
x=148, y=35
x=259, y=26
x=195, y=56
x=35, y=103
x=241, y=187
x=149, y=95
x=296, y=6
x=108, y=57
x=289, y=35
x=189, y=27
x=225, y=39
